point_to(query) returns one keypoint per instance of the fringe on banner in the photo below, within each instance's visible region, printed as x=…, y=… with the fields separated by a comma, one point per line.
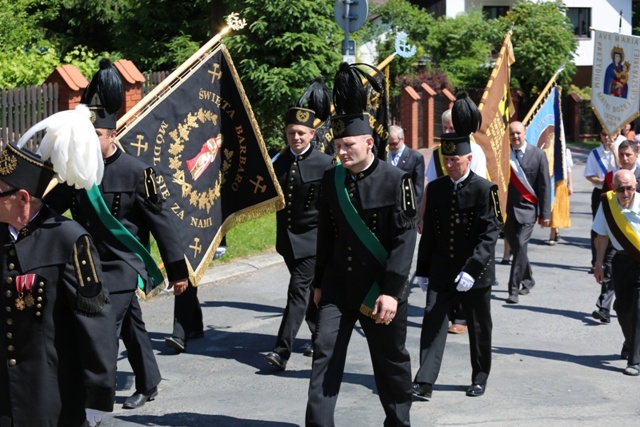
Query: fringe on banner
x=560, y=217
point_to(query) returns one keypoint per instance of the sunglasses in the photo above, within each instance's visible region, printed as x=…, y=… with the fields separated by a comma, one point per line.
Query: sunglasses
x=620, y=189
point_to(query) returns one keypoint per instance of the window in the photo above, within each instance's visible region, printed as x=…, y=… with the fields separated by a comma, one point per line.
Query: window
x=492, y=12
x=580, y=18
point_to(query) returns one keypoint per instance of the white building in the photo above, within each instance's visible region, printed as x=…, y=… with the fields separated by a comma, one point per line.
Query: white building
x=603, y=15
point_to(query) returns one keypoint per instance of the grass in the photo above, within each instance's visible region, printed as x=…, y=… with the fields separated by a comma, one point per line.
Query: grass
x=245, y=239
x=584, y=144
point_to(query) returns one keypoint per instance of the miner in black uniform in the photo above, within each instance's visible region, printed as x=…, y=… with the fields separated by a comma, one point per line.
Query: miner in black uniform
x=57, y=332
x=299, y=169
x=366, y=239
x=455, y=255
x=120, y=215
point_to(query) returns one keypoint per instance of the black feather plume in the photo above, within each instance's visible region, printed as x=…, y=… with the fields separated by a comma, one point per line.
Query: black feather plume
x=465, y=115
x=317, y=97
x=106, y=83
x=349, y=95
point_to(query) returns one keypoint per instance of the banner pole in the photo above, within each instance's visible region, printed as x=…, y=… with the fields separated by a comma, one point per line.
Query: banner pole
x=542, y=95
x=233, y=22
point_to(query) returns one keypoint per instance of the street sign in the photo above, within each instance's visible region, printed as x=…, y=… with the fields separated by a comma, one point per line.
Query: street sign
x=351, y=14
x=351, y=50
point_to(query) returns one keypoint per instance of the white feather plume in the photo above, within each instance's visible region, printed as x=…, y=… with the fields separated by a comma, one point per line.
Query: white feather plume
x=72, y=146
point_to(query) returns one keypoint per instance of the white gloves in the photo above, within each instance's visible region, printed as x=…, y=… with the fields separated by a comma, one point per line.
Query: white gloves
x=464, y=281
x=94, y=417
x=423, y=282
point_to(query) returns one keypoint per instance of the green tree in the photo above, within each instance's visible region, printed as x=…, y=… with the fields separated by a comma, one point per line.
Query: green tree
x=284, y=46
x=542, y=41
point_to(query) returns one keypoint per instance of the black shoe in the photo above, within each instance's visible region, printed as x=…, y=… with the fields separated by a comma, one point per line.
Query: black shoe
x=505, y=261
x=475, y=390
x=624, y=353
x=602, y=315
x=513, y=299
x=590, y=271
x=276, y=360
x=422, y=390
x=196, y=335
x=139, y=398
x=175, y=343
x=308, y=351
x=524, y=291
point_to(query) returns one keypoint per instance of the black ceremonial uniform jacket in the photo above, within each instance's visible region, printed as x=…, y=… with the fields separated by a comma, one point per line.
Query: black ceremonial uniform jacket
x=383, y=196
x=460, y=232
x=129, y=190
x=57, y=342
x=297, y=223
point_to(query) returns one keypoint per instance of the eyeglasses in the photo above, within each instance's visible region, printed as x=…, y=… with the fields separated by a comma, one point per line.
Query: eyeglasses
x=9, y=192
x=620, y=189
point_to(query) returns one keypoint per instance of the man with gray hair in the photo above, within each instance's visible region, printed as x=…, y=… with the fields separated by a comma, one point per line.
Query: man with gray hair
x=618, y=221
x=407, y=159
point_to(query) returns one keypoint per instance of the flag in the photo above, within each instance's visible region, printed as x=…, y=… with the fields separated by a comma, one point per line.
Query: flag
x=545, y=131
x=496, y=109
x=212, y=166
x=378, y=108
x=615, y=96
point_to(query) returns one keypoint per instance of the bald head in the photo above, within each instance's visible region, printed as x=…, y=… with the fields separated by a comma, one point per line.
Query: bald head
x=624, y=184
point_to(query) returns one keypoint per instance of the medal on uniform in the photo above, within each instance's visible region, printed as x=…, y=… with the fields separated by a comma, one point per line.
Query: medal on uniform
x=28, y=300
x=24, y=283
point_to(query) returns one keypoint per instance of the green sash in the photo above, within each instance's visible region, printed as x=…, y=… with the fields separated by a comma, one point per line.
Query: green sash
x=123, y=235
x=362, y=232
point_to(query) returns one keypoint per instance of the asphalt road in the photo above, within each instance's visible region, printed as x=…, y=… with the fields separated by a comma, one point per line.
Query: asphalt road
x=553, y=365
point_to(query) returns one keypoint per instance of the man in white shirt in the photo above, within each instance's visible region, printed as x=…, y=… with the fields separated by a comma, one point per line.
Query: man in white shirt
x=600, y=161
x=618, y=221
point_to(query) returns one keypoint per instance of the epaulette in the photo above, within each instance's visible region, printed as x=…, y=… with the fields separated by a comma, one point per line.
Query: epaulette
x=153, y=200
x=91, y=298
x=495, y=199
x=408, y=208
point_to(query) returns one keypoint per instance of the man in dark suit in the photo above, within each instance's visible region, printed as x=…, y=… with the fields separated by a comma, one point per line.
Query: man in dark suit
x=407, y=159
x=299, y=168
x=455, y=256
x=58, y=342
x=528, y=201
x=132, y=211
x=366, y=240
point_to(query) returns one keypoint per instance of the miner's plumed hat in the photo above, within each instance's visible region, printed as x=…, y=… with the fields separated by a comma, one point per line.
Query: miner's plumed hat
x=350, y=101
x=24, y=170
x=466, y=120
x=104, y=95
x=300, y=116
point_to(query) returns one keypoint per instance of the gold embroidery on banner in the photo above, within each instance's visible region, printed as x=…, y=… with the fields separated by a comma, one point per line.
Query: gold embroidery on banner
x=199, y=199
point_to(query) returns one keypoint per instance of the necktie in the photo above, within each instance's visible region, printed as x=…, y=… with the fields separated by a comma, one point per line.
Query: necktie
x=394, y=159
x=519, y=155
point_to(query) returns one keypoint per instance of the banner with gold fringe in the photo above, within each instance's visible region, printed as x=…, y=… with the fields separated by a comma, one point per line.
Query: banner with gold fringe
x=615, y=80
x=545, y=131
x=496, y=108
x=205, y=144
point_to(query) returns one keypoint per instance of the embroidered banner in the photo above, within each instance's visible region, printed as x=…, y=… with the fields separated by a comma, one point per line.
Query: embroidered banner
x=213, y=169
x=545, y=131
x=496, y=109
x=615, y=84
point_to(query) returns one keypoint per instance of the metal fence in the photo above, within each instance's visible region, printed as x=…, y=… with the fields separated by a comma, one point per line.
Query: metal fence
x=21, y=108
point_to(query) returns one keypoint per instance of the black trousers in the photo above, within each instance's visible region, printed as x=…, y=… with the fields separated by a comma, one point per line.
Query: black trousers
x=300, y=305
x=518, y=236
x=477, y=308
x=132, y=330
x=389, y=357
x=605, y=299
x=595, y=204
x=626, y=284
x=187, y=314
